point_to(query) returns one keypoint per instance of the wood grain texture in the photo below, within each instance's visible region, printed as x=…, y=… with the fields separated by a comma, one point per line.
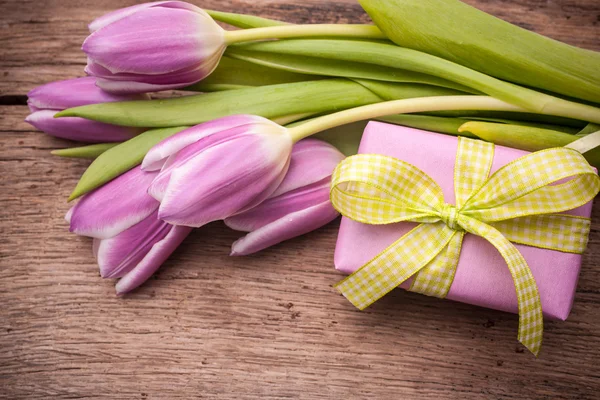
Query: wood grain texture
x=263, y=327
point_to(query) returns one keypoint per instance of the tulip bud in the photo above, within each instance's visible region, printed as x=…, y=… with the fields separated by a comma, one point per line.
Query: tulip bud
x=135, y=254
x=299, y=205
x=153, y=46
x=130, y=242
x=214, y=170
x=47, y=100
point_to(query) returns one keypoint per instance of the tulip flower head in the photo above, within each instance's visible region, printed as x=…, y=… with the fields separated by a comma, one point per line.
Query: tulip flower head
x=47, y=100
x=172, y=44
x=130, y=241
x=217, y=169
x=153, y=46
x=299, y=205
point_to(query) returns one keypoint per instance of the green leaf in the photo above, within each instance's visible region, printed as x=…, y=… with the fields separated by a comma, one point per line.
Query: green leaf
x=589, y=128
x=120, y=159
x=559, y=128
x=243, y=20
x=236, y=74
x=268, y=101
x=448, y=126
x=451, y=126
x=90, y=151
x=215, y=87
x=525, y=138
x=389, y=55
x=511, y=115
x=472, y=38
x=396, y=91
x=517, y=136
x=268, y=55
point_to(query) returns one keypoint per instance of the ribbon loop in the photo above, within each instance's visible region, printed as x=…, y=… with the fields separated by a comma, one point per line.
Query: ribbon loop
x=517, y=203
x=535, y=184
x=375, y=189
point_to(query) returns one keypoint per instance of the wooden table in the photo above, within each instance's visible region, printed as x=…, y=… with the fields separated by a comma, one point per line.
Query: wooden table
x=266, y=326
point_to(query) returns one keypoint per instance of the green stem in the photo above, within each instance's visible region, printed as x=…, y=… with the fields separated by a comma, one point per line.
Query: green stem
x=303, y=31
x=243, y=21
x=422, y=104
x=289, y=119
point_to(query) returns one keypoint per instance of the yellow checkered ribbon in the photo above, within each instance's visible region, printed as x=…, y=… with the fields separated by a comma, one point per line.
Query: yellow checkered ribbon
x=519, y=203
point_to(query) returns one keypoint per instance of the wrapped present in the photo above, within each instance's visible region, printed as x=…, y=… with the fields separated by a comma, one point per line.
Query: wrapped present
x=465, y=220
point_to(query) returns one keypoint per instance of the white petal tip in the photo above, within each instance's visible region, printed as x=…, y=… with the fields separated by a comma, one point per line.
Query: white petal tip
x=237, y=250
x=69, y=214
x=120, y=290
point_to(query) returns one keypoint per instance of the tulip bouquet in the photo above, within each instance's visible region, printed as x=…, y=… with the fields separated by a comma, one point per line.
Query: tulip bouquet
x=235, y=146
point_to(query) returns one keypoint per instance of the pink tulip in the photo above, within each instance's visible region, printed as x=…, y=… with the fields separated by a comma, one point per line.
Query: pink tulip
x=47, y=100
x=153, y=46
x=130, y=241
x=299, y=205
x=217, y=169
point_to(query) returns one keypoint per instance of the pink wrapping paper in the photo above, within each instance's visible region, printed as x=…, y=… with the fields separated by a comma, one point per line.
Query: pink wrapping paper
x=482, y=277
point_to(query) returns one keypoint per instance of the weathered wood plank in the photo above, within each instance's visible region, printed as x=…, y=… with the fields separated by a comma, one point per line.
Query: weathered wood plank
x=41, y=44
x=266, y=326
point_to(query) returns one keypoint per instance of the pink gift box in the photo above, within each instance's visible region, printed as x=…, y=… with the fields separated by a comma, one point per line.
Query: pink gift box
x=482, y=277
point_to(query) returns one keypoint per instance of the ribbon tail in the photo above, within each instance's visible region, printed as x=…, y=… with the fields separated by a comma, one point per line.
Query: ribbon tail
x=395, y=264
x=531, y=323
x=436, y=278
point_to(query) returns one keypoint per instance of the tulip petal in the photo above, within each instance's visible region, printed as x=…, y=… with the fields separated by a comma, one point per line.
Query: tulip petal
x=153, y=47
x=128, y=87
x=156, y=157
x=157, y=255
x=136, y=83
x=159, y=186
x=69, y=214
x=312, y=160
x=225, y=179
x=278, y=207
x=69, y=93
x=80, y=129
x=114, y=207
x=121, y=253
x=183, y=75
x=292, y=225
x=128, y=84
x=116, y=15
x=155, y=40
x=121, y=13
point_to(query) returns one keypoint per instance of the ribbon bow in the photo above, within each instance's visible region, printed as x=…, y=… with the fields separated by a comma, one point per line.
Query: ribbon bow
x=519, y=203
